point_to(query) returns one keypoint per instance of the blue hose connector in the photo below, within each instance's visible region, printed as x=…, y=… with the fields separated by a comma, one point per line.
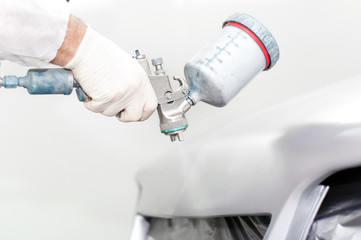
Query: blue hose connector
x=47, y=81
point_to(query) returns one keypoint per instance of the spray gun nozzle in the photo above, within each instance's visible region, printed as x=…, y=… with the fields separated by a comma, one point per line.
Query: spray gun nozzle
x=175, y=136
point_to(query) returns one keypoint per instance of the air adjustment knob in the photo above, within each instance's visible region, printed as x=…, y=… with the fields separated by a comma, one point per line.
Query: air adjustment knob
x=157, y=61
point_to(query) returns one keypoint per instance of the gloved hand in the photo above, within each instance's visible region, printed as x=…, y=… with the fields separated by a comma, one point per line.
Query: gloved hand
x=113, y=79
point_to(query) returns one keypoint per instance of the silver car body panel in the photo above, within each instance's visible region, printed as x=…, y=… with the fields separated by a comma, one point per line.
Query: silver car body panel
x=269, y=163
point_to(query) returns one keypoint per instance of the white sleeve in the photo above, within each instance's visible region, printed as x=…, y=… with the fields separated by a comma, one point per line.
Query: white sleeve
x=32, y=31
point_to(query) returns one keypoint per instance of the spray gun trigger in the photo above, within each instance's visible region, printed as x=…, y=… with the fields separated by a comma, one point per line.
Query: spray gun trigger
x=183, y=85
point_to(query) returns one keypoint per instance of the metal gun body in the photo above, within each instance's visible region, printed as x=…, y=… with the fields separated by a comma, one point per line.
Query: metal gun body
x=172, y=104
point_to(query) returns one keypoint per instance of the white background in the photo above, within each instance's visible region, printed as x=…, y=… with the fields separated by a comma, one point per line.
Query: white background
x=67, y=173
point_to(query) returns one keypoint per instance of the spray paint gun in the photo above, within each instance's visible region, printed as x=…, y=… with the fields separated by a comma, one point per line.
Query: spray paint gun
x=215, y=75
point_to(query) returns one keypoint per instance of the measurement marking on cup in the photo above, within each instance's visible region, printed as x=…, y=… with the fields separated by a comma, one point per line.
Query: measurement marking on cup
x=207, y=62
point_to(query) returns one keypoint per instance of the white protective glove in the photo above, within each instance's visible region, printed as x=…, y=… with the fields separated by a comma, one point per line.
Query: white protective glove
x=113, y=79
